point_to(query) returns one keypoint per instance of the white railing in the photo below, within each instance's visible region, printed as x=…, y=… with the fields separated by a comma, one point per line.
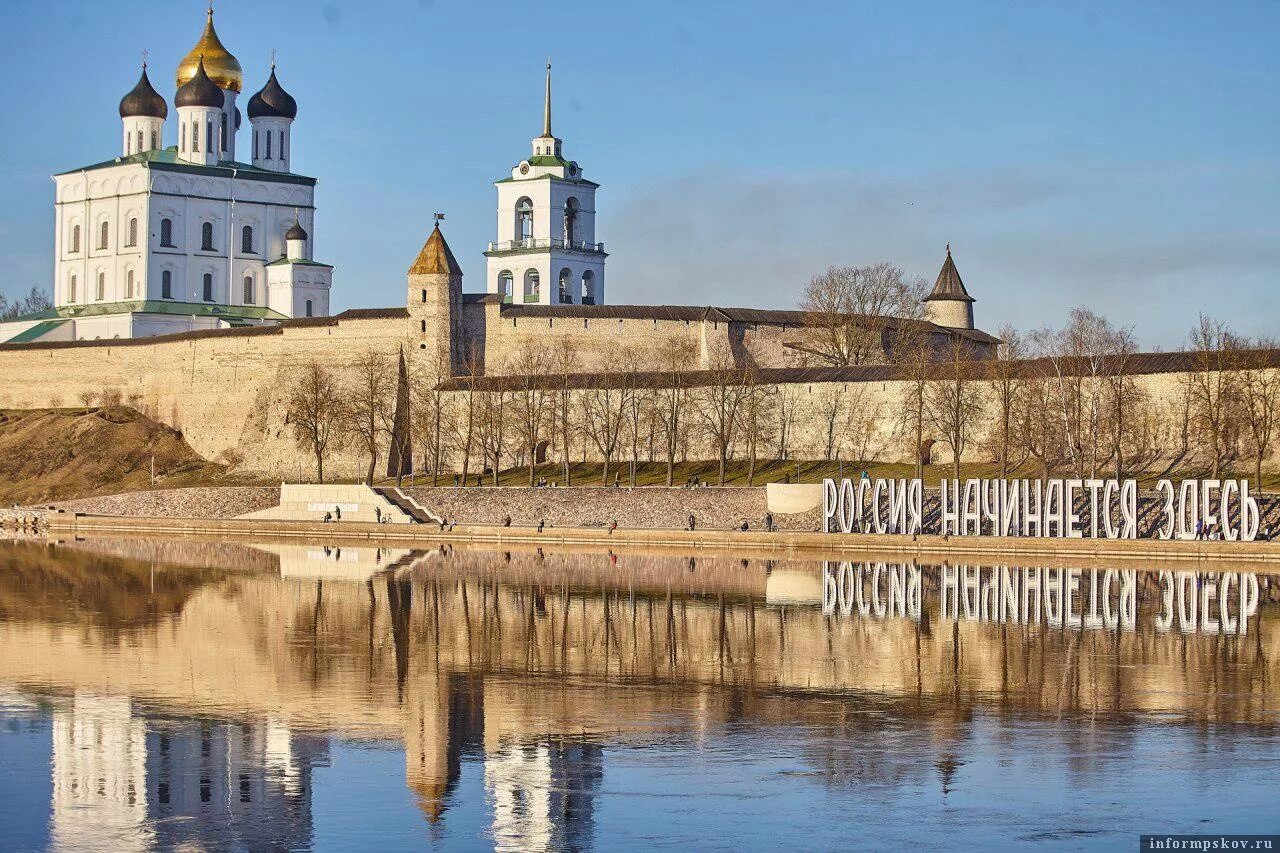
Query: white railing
x=545, y=243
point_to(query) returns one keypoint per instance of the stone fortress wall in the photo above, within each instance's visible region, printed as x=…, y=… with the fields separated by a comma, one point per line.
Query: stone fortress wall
x=227, y=391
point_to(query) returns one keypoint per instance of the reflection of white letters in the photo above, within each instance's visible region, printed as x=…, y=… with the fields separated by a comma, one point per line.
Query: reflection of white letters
x=1164, y=619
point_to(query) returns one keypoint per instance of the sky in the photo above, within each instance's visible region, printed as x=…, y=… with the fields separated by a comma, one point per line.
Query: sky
x=1118, y=155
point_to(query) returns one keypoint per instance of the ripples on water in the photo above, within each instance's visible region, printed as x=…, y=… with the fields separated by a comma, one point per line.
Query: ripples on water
x=214, y=696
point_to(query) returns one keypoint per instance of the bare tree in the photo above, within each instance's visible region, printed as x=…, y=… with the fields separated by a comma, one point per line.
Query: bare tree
x=849, y=310
x=564, y=359
x=757, y=419
x=955, y=399
x=462, y=426
x=1078, y=357
x=914, y=356
x=674, y=354
x=369, y=402
x=532, y=402
x=1007, y=387
x=1260, y=400
x=36, y=300
x=603, y=410
x=315, y=412
x=492, y=416
x=431, y=411
x=1213, y=384
x=719, y=405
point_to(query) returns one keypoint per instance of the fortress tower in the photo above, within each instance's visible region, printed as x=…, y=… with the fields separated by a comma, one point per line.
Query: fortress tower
x=546, y=252
x=949, y=305
x=435, y=305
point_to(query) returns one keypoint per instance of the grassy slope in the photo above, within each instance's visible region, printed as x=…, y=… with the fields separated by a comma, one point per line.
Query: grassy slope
x=49, y=454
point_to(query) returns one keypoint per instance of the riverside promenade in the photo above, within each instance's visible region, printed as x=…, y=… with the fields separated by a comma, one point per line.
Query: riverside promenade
x=1187, y=554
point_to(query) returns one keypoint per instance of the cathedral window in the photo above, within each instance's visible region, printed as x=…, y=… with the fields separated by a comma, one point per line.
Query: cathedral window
x=166, y=284
x=104, y=235
x=183, y=130
x=524, y=220
x=139, y=141
x=71, y=290
x=255, y=145
x=155, y=142
x=224, y=131
x=208, y=287
x=282, y=139
x=208, y=136
x=588, y=287
x=532, y=285
x=101, y=293
x=248, y=290
x=166, y=233
x=195, y=137
x=566, y=278
x=132, y=236
x=310, y=313
x=246, y=239
x=128, y=286
x=206, y=237
x=268, y=145
x=75, y=238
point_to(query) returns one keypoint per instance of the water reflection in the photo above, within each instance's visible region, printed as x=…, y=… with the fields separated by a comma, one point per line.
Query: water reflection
x=194, y=691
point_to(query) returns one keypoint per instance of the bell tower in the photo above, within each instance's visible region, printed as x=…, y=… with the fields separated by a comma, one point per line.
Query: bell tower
x=546, y=252
x=435, y=304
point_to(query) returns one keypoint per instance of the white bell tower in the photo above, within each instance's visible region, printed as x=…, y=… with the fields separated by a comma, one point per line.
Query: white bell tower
x=546, y=252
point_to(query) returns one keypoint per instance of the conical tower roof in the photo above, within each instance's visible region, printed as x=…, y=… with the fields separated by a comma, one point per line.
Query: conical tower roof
x=435, y=257
x=949, y=285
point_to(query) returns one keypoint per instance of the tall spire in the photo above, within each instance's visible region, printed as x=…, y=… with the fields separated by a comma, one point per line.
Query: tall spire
x=546, y=107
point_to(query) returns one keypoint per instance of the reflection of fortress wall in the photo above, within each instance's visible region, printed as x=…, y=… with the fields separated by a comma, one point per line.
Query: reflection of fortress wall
x=99, y=775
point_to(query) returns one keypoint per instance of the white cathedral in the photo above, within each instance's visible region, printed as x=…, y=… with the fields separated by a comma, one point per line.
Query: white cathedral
x=185, y=237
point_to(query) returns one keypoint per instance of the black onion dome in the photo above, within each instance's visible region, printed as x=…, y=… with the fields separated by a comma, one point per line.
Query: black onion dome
x=143, y=100
x=273, y=101
x=296, y=231
x=199, y=91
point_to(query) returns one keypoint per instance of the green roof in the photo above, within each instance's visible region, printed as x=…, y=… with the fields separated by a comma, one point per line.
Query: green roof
x=548, y=160
x=548, y=178
x=39, y=330
x=156, y=306
x=166, y=159
x=301, y=263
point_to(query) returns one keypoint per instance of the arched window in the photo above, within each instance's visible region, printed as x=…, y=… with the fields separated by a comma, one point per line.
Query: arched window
x=505, y=283
x=224, y=131
x=570, y=221
x=268, y=145
x=255, y=144
x=195, y=137
x=75, y=238
x=132, y=237
x=104, y=232
x=532, y=285
x=101, y=293
x=128, y=284
x=208, y=287
x=166, y=233
x=183, y=141
x=565, y=296
x=139, y=140
x=524, y=220
x=284, y=135
x=246, y=239
x=206, y=237
x=248, y=290
x=71, y=289
x=166, y=284
x=588, y=287
x=155, y=142
x=309, y=310
x=208, y=137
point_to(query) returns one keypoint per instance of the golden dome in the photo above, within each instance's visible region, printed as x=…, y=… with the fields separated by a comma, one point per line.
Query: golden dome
x=219, y=64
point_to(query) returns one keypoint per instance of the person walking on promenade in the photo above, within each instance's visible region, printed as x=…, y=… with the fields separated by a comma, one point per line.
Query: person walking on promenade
x=613, y=525
x=337, y=511
x=541, y=523
x=506, y=522
x=693, y=522
x=768, y=522
x=377, y=514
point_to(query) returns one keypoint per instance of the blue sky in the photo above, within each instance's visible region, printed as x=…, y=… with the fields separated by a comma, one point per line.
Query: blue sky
x=1120, y=155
